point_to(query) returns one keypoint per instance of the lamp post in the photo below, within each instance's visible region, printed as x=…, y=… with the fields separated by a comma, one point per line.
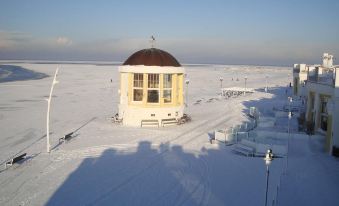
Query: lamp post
x=221, y=79
x=187, y=82
x=245, y=83
x=288, y=129
x=289, y=112
x=48, y=109
x=268, y=159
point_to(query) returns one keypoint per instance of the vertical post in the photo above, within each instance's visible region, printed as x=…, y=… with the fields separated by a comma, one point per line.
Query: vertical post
x=266, y=88
x=288, y=130
x=267, y=177
x=268, y=159
x=329, y=140
x=48, y=109
x=152, y=41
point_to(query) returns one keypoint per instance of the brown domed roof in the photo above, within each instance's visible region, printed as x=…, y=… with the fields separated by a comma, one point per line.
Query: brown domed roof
x=152, y=57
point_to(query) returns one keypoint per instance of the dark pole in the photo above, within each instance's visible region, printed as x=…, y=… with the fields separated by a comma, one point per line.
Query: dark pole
x=267, y=176
x=288, y=130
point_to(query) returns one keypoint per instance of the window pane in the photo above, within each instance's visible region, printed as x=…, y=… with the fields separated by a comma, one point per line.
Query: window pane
x=324, y=104
x=167, y=96
x=167, y=80
x=138, y=80
x=137, y=95
x=324, y=107
x=323, y=123
x=153, y=80
x=153, y=96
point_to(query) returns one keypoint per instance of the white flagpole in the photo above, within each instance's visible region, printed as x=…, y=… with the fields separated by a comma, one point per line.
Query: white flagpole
x=48, y=109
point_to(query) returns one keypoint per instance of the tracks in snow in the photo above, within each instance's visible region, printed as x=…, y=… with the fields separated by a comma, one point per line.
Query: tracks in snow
x=193, y=181
x=199, y=187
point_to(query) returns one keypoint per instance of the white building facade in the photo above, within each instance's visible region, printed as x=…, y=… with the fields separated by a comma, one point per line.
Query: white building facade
x=320, y=85
x=299, y=79
x=151, y=88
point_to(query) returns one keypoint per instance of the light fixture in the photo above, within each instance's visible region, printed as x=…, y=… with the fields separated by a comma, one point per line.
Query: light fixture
x=268, y=159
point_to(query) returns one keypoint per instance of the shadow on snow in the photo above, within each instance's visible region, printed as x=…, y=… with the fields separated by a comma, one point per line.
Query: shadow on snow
x=166, y=175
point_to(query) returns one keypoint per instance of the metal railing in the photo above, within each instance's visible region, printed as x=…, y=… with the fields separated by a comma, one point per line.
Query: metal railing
x=327, y=77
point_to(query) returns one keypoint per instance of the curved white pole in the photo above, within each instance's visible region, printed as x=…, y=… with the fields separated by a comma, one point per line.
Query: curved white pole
x=48, y=109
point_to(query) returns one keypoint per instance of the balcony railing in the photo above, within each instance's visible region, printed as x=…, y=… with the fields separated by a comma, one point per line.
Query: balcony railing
x=327, y=77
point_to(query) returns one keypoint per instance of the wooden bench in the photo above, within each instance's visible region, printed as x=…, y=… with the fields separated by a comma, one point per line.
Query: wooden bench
x=185, y=118
x=66, y=137
x=149, y=122
x=15, y=160
x=170, y=121
x=116, y=119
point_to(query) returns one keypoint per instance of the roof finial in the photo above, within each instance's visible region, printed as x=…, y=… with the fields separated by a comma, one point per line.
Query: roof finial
x=152, y=41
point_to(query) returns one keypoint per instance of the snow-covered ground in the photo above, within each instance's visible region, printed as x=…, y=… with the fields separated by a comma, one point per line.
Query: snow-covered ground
x=108, y=164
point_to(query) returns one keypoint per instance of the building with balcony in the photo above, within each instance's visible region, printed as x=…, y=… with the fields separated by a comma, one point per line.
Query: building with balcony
x=151, y=88
x=299, y=79
x=319, y=84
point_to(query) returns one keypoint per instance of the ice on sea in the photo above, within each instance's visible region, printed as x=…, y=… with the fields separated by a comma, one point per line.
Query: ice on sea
x=107, y=164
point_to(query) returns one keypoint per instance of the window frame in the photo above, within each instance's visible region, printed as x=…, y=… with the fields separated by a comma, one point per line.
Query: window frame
x=166, y=88
x=136, y=85
x=153, y=84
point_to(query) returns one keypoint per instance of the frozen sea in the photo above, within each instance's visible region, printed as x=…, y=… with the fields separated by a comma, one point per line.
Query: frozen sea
x=9, y=73
x=109, y=164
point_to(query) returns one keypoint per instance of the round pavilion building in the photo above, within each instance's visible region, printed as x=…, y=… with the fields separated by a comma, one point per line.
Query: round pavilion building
x=151, y=88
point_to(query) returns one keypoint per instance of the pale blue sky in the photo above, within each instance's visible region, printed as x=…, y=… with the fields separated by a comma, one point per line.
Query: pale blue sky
x=264, y=32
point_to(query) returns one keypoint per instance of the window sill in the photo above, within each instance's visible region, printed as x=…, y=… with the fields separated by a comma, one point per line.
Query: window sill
x=136, y=102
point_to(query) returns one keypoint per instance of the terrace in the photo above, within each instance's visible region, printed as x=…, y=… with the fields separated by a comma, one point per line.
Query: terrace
x=300, y=68
x=322, y=76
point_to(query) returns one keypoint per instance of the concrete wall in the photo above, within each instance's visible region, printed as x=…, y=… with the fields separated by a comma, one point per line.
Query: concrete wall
x=335, y=114
x=132, y=116
x=332, y=92
x=299, y=79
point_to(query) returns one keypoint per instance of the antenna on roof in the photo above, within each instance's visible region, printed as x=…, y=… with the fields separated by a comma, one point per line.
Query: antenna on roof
x=152, y=41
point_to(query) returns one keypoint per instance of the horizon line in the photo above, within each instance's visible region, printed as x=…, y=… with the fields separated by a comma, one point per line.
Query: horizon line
x=104, y=62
